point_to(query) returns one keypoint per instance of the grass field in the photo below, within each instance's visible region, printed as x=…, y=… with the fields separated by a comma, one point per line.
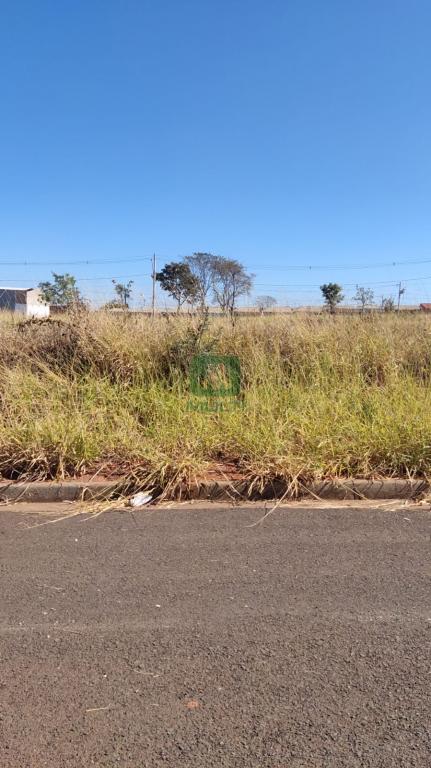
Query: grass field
x=322, y=398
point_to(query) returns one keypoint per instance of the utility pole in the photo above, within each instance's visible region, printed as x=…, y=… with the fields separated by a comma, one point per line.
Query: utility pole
x=153, y=275
x=400, y=293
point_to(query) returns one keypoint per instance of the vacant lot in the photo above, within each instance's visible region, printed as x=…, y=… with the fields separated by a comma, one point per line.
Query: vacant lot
x=322, y=397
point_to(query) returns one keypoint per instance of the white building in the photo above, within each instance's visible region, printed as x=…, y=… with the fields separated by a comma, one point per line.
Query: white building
x=25, y=301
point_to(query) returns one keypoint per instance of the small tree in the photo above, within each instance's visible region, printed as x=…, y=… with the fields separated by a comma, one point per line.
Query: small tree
x=62, y=291
x=265, y=302
x=388, y=304
x=333, y=295
x=124, y=292
x=230, y=281
x=178, y=281
x=201, y=265
x=364, y=297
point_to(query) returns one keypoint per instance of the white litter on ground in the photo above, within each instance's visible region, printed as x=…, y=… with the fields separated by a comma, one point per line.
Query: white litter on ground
x=140, y=499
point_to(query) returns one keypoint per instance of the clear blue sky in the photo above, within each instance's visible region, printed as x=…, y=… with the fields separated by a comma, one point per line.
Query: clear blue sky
x=280, y=133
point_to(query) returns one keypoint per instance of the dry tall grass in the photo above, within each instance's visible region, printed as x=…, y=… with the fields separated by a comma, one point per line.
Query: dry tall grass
x=323, y=397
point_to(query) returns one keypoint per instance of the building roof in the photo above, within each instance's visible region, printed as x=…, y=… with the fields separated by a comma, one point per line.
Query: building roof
x=11, y=288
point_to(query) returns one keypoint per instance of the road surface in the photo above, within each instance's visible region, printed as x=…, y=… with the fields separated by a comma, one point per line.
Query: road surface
x=187, y=638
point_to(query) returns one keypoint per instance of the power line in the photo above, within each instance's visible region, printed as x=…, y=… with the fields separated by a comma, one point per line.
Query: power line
x=295, y=286
x=334, y=266
x=113, y=277
x=299, y=288
x=70, y=263
x=307, y=267
x=259, y=285
x=345, y=285
x=90, y=279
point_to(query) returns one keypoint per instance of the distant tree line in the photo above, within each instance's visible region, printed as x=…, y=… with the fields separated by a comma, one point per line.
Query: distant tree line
x=198, y=279
x=193, y=281
x=333, y=296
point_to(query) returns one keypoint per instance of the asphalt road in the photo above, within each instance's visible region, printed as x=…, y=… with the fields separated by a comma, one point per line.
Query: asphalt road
x=186, y=638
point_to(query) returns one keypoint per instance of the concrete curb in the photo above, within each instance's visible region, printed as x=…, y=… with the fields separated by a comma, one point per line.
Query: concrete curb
x=396, y=488
x=47, y=493
x=51, y=492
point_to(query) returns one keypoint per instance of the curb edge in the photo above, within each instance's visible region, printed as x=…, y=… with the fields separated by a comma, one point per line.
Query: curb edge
x=395, y=488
